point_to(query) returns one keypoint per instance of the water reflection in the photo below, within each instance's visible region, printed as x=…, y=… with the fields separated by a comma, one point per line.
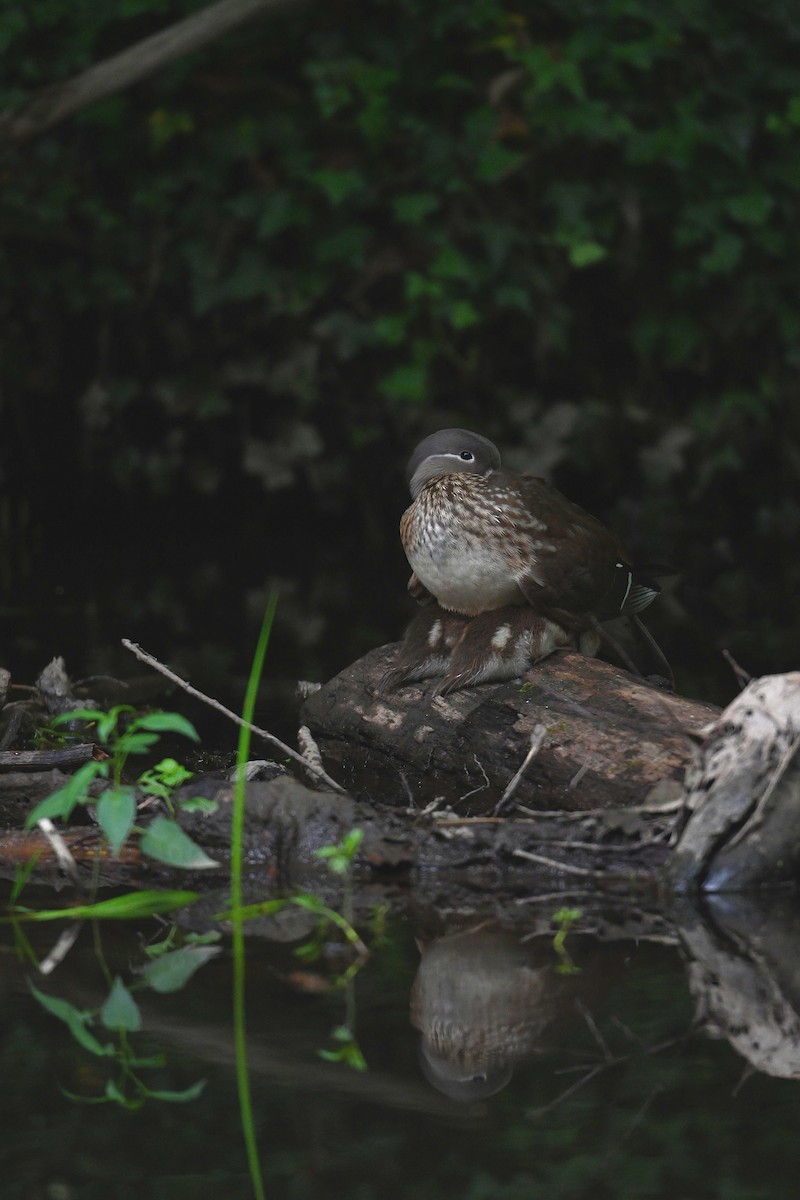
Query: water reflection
x=482, y=1000
x=531, y=1082
x=744, y=974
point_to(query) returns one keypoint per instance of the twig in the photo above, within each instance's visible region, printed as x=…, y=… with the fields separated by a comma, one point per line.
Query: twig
x=317, y=772
x=66, y=941
x=42, y=760
x=742, y=677
x=60, y=849
x=534, y=1114
x=538, y=735
x=481, y=787
x=756, y=817
x=559, y=866
x=309, y=748
x=595, y=1031
x=577, y=777
x=52, y=104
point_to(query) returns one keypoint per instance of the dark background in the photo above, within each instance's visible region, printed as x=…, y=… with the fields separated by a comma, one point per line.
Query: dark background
x=234, y=296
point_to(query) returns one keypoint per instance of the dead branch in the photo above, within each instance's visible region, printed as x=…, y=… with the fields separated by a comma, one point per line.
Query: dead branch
x=55, y=103
x=312, y=768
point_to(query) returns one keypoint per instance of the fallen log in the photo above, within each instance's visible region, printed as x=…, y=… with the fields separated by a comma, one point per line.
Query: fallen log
x=609, y=738
x=633, y=791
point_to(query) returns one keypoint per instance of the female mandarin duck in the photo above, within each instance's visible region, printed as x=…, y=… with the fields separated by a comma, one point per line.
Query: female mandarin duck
x=515, y=569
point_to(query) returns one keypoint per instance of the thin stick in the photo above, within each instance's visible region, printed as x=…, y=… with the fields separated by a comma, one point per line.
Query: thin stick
x=568, y=868
x=60, y=849
x=537, y=740
x=316, y=771
x=66, y=941
x=742, y=677
x=577, y=777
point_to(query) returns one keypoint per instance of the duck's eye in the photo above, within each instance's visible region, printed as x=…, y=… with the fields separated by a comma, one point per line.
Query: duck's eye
x=467, y=456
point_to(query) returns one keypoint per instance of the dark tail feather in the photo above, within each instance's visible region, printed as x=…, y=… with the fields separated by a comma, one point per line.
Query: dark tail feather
x=647, y=637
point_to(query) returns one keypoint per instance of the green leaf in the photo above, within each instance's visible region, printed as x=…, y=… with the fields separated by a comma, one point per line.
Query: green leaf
x=450, y=263
x=171, y=971
x=496, y=163
x=351, y=841
x=76, y=791
x=338, y=185
x=409, y=382
x=189, y=1093
x=463, y=314
x=724, y=255
x=131, y=1103
x=116, y=812
x=415, y=207
x=165, y=840
x=513, y=297
x=133, y=742
x=279, y=212
x=391, y=329
x=585, y=254
x=78, y=714
x=417, y=285
x=167, y=722
x=107, y=724
x=199, y=804
x=120, y=1010
x=752, y=208
x=75, y=1019
x=204, y=939
x=163, y=778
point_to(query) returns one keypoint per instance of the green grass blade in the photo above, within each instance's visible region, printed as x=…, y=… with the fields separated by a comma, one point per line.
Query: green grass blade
x=118, y=908
x=237, y=917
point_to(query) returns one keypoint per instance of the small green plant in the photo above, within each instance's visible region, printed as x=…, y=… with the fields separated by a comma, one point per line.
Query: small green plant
x=348, y=1051
x=341, y=856
x=565, y=918
x=123, y=734
x=107, y=1031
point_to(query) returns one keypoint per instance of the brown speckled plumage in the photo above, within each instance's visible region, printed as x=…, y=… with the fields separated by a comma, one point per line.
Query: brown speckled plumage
x=480, y=538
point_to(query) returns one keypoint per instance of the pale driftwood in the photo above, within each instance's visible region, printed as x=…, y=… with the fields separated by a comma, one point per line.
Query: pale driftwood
x=742, y=798
x=609, y=737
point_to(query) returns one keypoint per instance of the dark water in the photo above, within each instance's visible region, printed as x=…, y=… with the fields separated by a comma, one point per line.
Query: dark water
x=601, y=1083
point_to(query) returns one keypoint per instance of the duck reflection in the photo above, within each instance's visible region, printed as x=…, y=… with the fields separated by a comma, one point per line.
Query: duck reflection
x=482, y=1000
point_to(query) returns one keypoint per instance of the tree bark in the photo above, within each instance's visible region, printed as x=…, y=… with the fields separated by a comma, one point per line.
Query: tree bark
x=609, y=738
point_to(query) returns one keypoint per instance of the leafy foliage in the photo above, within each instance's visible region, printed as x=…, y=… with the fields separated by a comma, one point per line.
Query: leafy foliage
x=124, y=732
x=571, y=225
x=168, y=970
